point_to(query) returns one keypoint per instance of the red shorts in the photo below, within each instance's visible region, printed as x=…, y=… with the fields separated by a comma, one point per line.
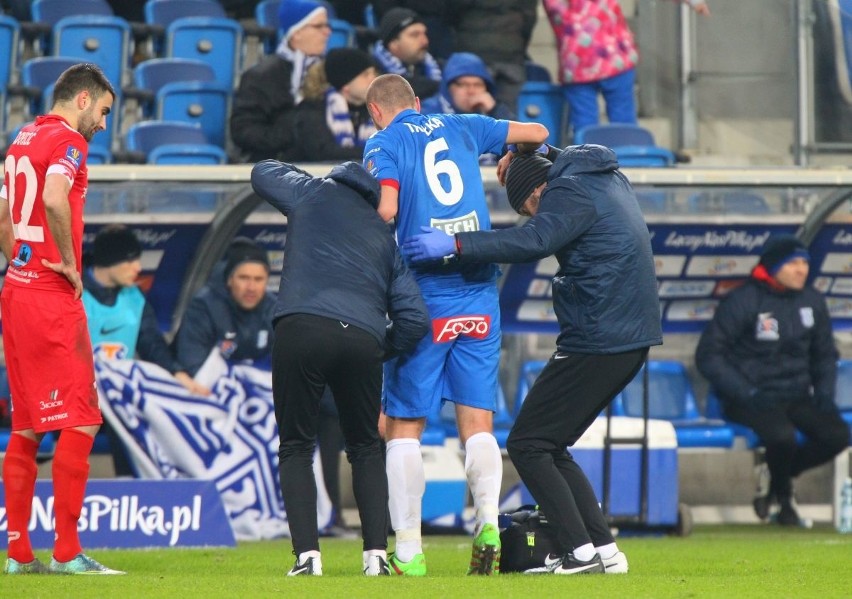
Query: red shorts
x=49, y=360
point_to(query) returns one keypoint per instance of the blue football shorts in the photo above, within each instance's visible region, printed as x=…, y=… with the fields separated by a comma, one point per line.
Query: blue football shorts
x=457, y=361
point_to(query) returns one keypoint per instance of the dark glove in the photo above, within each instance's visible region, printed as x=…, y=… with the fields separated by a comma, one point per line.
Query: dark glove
x=429, y=246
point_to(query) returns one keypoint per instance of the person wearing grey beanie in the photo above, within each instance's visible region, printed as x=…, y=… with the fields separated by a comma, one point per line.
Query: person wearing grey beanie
x=583, y=211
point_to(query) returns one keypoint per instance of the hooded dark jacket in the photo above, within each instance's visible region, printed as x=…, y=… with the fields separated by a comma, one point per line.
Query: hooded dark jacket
x=341, y=260
x=605, y=292
x=464, y=64
x=213, y=319
x=767, y=345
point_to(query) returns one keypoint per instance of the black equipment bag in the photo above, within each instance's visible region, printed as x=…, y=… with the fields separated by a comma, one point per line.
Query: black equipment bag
x=527, y=538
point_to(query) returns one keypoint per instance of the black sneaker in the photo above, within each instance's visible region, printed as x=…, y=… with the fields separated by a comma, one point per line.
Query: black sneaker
x=312, y=566
x=788, y=516
x=568, y=564
x=763, y=499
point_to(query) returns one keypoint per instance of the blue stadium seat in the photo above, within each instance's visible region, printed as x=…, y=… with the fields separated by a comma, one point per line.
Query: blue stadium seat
x=37, y=77
x=734, y=201
x=165, y=12
x=342, y=34
x=184, y=143
x=206, y=103
x=98, y=154
x=537, y=72
x=104, y=41
x=9, y=34
x=632, y=144
x=670, y=397
x=218, y=42
x=266, y=15
x=542, y=102
x=843, y=392
x=151, y=75
x=46, y=13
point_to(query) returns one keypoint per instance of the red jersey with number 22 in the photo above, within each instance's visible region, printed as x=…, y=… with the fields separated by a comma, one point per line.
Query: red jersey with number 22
x=48, y=146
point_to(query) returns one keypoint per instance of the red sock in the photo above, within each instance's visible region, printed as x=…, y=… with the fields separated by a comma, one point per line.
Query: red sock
x=19, y=476
x=70, y=472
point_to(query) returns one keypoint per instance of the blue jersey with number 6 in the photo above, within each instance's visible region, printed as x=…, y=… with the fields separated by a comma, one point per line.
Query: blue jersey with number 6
x=433, y=160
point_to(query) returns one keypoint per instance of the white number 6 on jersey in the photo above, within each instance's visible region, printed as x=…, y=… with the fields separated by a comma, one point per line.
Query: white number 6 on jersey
x=447, y=167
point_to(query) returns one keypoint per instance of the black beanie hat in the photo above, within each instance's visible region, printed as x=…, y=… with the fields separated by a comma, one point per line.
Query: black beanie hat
x=342, y=65
x=779, y=250
x=526, y=172
x=115, y=244
x=242, y=250
x=394, y=21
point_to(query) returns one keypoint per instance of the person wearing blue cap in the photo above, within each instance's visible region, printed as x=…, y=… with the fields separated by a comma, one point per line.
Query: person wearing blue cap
x=264, y=107
x=770, y=355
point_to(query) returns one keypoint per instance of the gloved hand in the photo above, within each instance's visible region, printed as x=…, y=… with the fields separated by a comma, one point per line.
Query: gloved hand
x=429, y=246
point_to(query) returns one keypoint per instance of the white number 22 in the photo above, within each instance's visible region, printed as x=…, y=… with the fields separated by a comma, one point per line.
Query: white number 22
x=23, y=229
x=447, y=167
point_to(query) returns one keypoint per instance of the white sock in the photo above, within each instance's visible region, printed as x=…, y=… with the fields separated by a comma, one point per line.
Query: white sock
x=607, y=551
x=371, y=552
x=483, y=466
x=584, y=552
x=406, y=485
x=306, y=554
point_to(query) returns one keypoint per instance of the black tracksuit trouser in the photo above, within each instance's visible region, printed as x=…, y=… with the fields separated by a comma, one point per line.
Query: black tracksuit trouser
x=309, y=353
x=563, y=402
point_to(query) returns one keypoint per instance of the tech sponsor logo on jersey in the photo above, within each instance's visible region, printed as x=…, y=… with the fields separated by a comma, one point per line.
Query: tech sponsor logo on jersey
x=767, y=327
x=449, y=329
x=461, y=224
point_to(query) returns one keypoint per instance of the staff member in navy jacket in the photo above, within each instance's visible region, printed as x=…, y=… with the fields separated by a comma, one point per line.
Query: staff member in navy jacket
x=343, y=277
x=583, y=211
x=769, y=353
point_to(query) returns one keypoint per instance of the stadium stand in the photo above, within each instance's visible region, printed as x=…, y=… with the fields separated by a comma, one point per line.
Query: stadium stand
x=633, y=145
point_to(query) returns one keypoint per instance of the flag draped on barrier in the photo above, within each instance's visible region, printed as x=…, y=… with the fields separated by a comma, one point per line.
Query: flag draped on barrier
x=230, y=437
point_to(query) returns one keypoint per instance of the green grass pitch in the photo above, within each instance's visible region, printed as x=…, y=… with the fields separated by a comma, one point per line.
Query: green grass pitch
x=714, y=561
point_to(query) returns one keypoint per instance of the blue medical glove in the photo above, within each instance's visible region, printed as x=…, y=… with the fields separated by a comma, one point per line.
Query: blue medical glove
x=429, y=246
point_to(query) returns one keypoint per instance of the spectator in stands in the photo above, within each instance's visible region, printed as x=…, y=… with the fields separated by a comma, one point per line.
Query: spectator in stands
x=597, y=55
x=121, y=322
x=332, y=122
x=403, y=49
x=437, y=15
x=584, y=212
x=769, y=354
x=499, y=33
x=264, y=108
x=232, y=313
x=466, y=88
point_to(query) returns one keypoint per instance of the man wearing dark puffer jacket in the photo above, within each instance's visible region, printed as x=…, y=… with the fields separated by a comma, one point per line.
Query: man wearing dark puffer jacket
x=583, y=211
x=343, y=277
x=769, y=353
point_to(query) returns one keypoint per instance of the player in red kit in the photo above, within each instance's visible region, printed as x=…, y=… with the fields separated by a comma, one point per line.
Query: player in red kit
x=48, y=351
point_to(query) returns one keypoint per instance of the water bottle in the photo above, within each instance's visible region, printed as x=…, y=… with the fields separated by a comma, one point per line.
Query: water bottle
x=845, y=524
